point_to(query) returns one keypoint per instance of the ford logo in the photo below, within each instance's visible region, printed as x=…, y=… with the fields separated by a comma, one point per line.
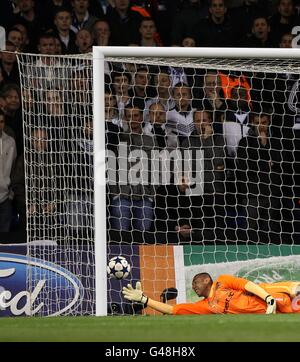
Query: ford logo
x=26, y=283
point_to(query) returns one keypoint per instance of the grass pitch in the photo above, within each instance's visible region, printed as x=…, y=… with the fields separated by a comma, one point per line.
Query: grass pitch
x=207, y=328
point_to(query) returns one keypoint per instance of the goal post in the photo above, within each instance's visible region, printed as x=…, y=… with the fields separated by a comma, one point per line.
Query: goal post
x=100, y=185
x=216, y=58
x=103, y=233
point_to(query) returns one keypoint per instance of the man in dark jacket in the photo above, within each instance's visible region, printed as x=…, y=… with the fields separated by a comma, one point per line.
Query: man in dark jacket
x=132, y=195
x=214, y=159
x=217, y=30
x=124, y=24
x=258, y=172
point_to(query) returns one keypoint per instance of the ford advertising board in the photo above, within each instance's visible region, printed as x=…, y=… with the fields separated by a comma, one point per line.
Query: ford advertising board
x=18, y=298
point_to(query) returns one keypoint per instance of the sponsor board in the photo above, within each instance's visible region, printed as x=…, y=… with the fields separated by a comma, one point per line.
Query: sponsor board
x=18, y=298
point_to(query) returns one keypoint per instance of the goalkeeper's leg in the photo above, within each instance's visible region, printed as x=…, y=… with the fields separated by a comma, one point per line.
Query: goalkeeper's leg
x=286, y=304
x=290, y=288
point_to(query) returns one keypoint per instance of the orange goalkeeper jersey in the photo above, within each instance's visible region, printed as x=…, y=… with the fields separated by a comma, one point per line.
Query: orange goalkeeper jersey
x=228, y=295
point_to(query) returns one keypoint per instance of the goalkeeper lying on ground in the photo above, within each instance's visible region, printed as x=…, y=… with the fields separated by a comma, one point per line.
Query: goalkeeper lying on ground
x=227, y=294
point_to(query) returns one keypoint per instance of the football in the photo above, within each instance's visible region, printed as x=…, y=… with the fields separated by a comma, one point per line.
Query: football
x=118, y=267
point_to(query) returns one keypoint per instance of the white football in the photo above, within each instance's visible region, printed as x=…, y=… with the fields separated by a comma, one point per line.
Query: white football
x=118, y=267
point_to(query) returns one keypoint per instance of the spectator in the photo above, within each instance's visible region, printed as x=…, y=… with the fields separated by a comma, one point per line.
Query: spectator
x=82, y=19
x=257, y=155
x=140, y=92
x=260, y=37
x=156, y=127
x=2, y=102
x=58, y=47
x=84, y=41
x=46, y=46
x=13, y=114
x=42, y=188
x=286, y=41
x=61, y=128
x=54, y=105
x=283, y=21
x=124, y=24
x=180, y=119
x=217, y=30
x=49, y=8
x=132, y=202
x=163, y=87
x=235, y=127
x=67, y=37
x=8, y=154
x=111, y=123
x=111, y=109
x=149, y=36
x=15, y=36
x=28, y=16
x=202, y=138
x=210, y=97
x=188, y=42
x=121, y=84
x=243, y=15
x=18, y=188
x=236, y=122
x=46, y=74
x=212, y=91
x=101, y=33
x=78, y=176
x=178, y=217
x=10, y=71
x=25, y=45
x=28, y=101
x=53, y=120
x=163, y=12
x=186, y=20
x=81, y=91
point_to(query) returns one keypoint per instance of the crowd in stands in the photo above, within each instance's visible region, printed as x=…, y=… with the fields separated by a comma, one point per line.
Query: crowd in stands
x=166, y=108
x=247, y=142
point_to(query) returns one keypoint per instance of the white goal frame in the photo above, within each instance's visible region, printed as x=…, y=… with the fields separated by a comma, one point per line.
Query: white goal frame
x=99, y=56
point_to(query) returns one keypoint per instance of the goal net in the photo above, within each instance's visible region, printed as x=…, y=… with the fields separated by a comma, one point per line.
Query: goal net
x=201, y=158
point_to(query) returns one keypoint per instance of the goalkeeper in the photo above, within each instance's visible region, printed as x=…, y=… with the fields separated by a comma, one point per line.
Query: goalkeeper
x=227, y=295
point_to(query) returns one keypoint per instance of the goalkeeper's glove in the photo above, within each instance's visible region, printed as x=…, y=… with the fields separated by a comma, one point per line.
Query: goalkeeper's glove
x=135, y=295
x=271, y=304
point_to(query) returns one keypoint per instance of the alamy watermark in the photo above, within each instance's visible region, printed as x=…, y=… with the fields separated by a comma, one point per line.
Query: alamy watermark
x=133, y=165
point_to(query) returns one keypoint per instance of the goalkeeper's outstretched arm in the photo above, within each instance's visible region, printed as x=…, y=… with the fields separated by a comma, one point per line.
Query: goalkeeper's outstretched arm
x=159, y=306
x=137, y=295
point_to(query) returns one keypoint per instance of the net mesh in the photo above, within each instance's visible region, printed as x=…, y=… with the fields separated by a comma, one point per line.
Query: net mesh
x=201, y=153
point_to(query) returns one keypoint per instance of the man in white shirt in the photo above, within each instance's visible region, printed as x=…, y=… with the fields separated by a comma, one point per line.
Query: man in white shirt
x=180, y=120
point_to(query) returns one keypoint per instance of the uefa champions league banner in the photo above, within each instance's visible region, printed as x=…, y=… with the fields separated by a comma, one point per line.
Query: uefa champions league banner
x=260, y=264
